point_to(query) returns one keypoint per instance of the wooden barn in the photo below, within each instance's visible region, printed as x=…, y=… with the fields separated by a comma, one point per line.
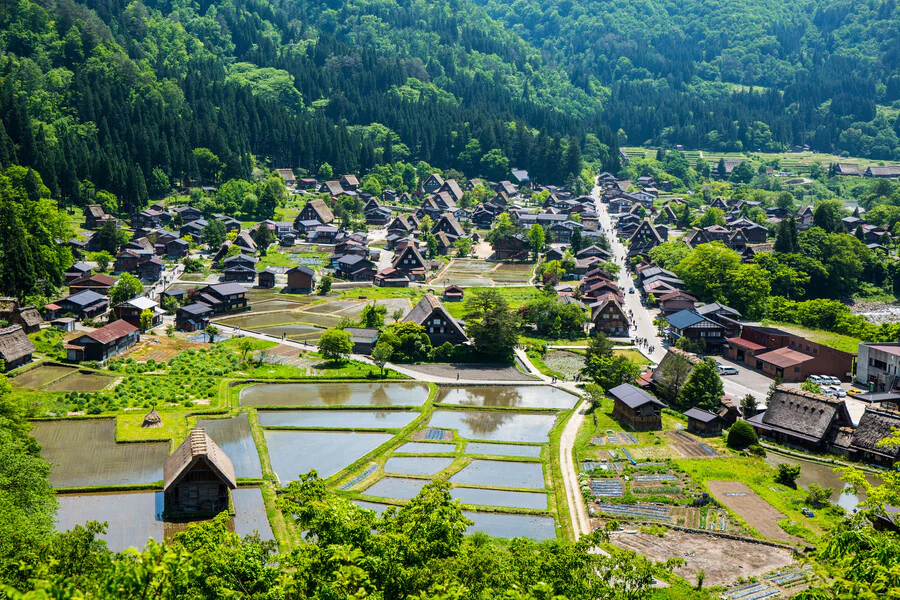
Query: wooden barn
x=198, y=477
x=703, y=422
x=636, y=408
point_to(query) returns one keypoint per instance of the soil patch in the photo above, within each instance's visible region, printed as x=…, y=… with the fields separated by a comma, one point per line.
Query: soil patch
x=723, y=560
x=758, y=513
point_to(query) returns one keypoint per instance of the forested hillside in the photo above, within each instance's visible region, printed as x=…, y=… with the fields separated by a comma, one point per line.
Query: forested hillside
x=121, y=95
x=130, y=96
x=741, y=74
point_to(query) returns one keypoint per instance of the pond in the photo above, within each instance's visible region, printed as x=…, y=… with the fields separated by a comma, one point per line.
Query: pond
x=336, y=419
x=234, y=438
x=295, y=452
x=503, y=450
x=497, y=473
x=81, y=382
x=133, y=518
x=824, y=476
x=85, y=452
x=508, y=396
x=398, y=488
x=424, y=448
x=497, y=525
x=500, y=426
x=416, y=465
x=482, y=497
x=39, y=376
x=335, y=394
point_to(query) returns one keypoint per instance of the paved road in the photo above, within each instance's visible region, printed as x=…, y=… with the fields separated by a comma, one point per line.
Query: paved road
x=643, y=316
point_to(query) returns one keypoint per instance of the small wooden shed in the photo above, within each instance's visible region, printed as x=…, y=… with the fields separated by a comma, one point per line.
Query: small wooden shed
x=197, y=477
x=703, y=422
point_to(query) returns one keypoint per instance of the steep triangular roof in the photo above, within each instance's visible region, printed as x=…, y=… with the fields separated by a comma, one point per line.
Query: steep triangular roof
x=428, y=305
x=198, y=447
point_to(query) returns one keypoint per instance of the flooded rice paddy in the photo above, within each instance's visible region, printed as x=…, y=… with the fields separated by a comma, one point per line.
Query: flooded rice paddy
x=508, y=396
x=254, y=321
x=336, y=419
x=495, y=524
x=482, y=497
x=81, y=382
x=294, y=452
x=500, y=426
x=824, y=476
x=234, y=438
x=290, y=330
x=37, y=377
x=416, y=465
x=134, y=518
x=424, y=448
x=503, y=450
x=85, y=452
x=335, y=394
x=398, y=488
x=497, y=473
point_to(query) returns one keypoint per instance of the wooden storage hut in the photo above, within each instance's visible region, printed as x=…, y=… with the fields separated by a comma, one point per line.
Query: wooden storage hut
x=703, y=422
x=636, y=408
x=197, y=477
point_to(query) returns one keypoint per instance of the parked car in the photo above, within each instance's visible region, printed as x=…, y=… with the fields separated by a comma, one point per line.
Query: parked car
x=837, y=391
x=831, y=379
x=816, y=379
x=630, y=290
x=723, y=370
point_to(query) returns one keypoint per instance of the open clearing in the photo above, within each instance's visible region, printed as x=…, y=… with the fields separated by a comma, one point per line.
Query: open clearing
x=723, y=560
x=758, y=513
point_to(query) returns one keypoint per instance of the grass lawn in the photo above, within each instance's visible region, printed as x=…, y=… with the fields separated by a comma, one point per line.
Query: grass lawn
x=634, y=356
x=837, y=341
x=128, y=426
x=274, y=258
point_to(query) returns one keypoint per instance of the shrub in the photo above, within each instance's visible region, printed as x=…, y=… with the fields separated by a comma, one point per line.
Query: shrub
x=788, y=474
x=741, y=436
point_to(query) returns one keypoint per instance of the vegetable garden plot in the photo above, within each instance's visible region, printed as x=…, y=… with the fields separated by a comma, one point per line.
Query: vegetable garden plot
x=638, y=511
x=608, y=488
x=758, y=513
x=85, y=453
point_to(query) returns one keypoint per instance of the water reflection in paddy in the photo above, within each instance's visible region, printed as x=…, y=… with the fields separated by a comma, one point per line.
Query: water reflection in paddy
x=495, y=524
x=234, y=438
x=501, y=474
x=503, y=450
x=335, y=394
x=398, y=488
x=416, y=465
x=336, y=419
x=85, y=453
x=507, y=396
x=824, y=476
x=482, y=497
x=500, y=426
x=135, y=517
x=294, y=452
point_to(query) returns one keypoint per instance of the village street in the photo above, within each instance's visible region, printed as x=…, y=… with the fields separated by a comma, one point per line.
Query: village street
x=736, y=386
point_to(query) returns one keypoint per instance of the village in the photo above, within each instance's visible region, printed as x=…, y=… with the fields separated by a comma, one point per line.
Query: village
x=208, y=361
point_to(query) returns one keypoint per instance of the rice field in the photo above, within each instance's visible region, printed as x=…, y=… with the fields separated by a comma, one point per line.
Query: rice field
x=40, y=376
x=85, y=453
x=234, y=438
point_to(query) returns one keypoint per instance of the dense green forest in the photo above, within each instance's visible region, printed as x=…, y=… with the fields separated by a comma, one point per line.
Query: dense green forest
x=134, y=97
x=742, y=74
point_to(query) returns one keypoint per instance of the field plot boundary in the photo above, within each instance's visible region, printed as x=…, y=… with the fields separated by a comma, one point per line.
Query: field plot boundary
x=741, y=499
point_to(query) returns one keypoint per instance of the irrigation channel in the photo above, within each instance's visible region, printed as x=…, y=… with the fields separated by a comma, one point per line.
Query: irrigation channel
x=379, y=443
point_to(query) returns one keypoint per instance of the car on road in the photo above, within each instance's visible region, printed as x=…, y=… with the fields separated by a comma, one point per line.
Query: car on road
x=726, y=370
x=630, y=290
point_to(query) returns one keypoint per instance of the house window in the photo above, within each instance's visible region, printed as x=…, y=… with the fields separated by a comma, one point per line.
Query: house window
x=796, y=369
